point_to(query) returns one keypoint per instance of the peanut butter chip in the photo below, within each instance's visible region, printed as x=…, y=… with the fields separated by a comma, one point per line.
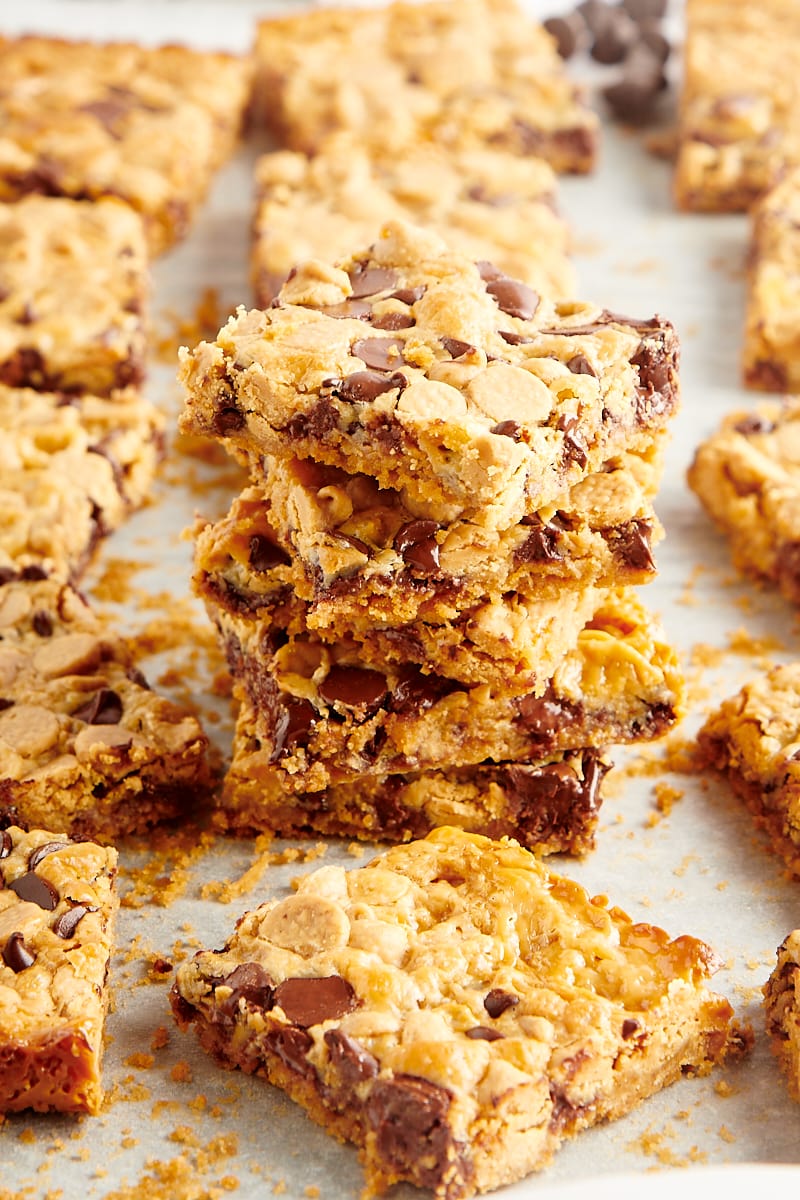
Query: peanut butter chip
x=70, y=654
x=307, y=924
x=14, y=606
x=29, y=729
x=11, y=663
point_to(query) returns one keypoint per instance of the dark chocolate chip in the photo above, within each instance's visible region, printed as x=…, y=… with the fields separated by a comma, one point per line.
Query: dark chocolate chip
x=42, y=623
x=362, y=387
x=416, y=542
x=355, y=687
x=227, y=420
x=541, y=717
x=488, y=271
x=293, y=721
x=409, y=295
x=633, y=545
x=5, y=703
x=309, y=1001
x=104, y=708
x=33, y=572
x=574, y=449
x=483, y=1033
x=6, y=844
x=16, y=954
x=409, y=1118
x=136, y=676
x=595, y=13
x=456, y=348
x=352, y=1063
x=35, y=890
x=27, y=316
x=509, y=429
x=291, y=1044
x=251, y=983
x=381, y=354
x=645, y=10
x=10, y=815
x=513, y=297
x=629, y=1027
x=359, y=310
x=65, y=925
x=580, y=365
x=541, y=545
x=266, y=554
x=367, y=281
x=355, y=542
x=41, y=852
x=416, y=692
x=497, y=1001
x=614, y=38
x=632, y=97
x=514, y=339
x=394, y=320
x=567, y=31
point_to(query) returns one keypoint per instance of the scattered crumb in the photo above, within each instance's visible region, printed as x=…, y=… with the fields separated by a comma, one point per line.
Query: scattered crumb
x=140, y=1060
x=160, y=1038
x=181, y=1072
x=356, y=850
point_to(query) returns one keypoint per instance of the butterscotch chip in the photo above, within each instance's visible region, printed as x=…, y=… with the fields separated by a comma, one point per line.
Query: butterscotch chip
x=85, y=746
x=57, y=909
x=457, y=1010
x=782, y=1007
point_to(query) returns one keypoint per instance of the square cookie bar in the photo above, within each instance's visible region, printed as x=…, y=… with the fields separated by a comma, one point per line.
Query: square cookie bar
x=58, y=904
x=483, y=401
x=753, y=738
x=739, y=120
x=473, y=73
x=73, y=289
x=71, y=470
x=85, y=746
x=150, y=126
x=323, y=717
x=782, y=1006
x=455, y=1009
x=771, y=352
x=487, y=203
x=550, y=806
x=747, y=477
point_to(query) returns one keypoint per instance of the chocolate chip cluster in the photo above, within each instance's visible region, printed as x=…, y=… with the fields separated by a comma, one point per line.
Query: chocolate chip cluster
x=628, y=35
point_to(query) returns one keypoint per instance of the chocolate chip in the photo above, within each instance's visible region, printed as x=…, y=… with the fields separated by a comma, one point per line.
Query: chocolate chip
x=362, y=387
x=352, y=1063
x=266, y=554
x=514, y=339
x=293, y=720
x=409, y=295
x=509, y=429
x=251, y=983
x=541, y=545
x=580, y=365
x=497, y=1001
x=633, y=545
x=381, y=354
x=6, y=844
x=412, y=1134
x=754, y=424
x=355, y=687
x=16, y=954
x=483, y=1033
x=35, y=890
x=629, y=1027
x=595, y=13
x=632, y=97
x=350, y=310
x=614, y=38
x=416, y=542
x=10, y=815
x=33, y=572
x=488, y=271
x=574, y=449
x=355, y=542
x=42, y=623
x=451, y=878
x=309, y=1001
x=367, y=281
x=645, y=10
x=567, y=31
x=5, y=703
x=41, y=852
x=456, y=348
x=136, y=676
x=227, y=420
x=104, y=708
x=415, y=692
x=513, y=297
x=291, y=1045
x=394, y=320
x=541, y=717
x=65, y=925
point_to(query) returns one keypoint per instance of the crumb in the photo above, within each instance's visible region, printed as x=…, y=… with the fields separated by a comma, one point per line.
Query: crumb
x=725, y=1134
x=723, y=1088
x=140, y=1060
x=160, y=1038
x=184, y=1134
x=128, y=1143
x=356, y=850
x=312, y=1191
x=181, y=1072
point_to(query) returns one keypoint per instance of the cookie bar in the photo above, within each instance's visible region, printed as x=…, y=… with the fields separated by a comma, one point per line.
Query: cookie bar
x=771, y=351
x=57, y=909
x=455, y=1009
x=71, y=470
x=487, y=203
x=550, y=806
x=150, y=126
x=738, y=123
x=475, y=73
x=324, y=717
x=782, y=1006
x=73, y=289
x=361, y=559
x=747, y=477
x=482, y=401
x=85, y=746
x=754, y=739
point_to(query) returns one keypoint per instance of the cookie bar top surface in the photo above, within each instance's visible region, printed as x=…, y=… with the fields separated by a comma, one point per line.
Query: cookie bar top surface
x=481, y=399
x=771, y=352
x=71, y=470
x=463, y=74
x=57, y=909
x=465, y=993
x=782, y=1007
x=487, y=203
x=73, y=288
x=87, y=120
x=738, y=123
x=747, y=476
x=83, y=739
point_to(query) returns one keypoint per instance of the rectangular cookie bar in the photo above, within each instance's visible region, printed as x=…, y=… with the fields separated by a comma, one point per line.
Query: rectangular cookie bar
x=73, y=292
x=550, y=806
x=361, y=559
x=323, y=717
x=58, y=905
x=482, y=400
x=753, y=738
x=71, y=470
x=487, y=203
x=473, y=73
x=782, y=1008
x=771, y=351
x=88, y=120
x=747, y=477
x=739, y=119
x=455, y=1009
x=86, y=747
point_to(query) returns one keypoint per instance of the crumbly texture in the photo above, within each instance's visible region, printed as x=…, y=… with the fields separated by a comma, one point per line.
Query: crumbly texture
x=73, y=292
x=71, y=470
x=455, y=1009
x=771, y=351
x=486, y=203
x=747, y=477
x=739, y=121
x=550, y=807
x=57, y=909
x=486, y=403
x=754, y=739
x=85, y=746
x=87, y=120
x=782, y=1007
x=475, y=73
x=361, y=559
x=323, y=717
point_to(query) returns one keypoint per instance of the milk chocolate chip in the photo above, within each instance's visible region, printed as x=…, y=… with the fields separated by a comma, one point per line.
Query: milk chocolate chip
x=310, y=1001
x=367, y=281
x=65, y=925
x=513, y=297
x=35, y=890
x=41, y=852
x=104, y=708
x=266, y=554
x=362, y=387
x=355, y=687
x=497, y=1001
x=16, y=954
x=416, y=542
x=381, y=354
